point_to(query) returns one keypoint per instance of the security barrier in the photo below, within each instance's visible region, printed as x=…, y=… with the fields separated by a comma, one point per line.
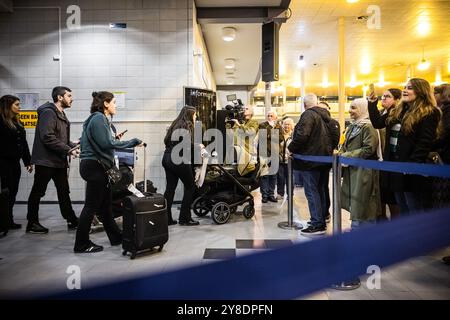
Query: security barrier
x=300, y=269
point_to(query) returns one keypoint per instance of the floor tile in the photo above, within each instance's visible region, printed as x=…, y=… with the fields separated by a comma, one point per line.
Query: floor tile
x=218, y=253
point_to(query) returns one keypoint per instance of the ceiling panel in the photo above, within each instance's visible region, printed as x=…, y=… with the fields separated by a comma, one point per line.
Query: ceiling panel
x=237, y=3
x=313, y=32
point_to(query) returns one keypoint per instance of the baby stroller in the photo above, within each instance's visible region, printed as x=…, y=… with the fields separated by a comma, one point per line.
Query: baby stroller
x=224, y=189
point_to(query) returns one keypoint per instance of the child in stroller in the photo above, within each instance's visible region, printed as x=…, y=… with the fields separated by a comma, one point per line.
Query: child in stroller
x=225, y=187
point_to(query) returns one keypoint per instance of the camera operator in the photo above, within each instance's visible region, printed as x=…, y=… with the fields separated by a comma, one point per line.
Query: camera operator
x=248, y=126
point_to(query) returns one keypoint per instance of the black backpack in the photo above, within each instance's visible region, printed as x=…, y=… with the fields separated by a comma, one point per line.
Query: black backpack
x=333, y=130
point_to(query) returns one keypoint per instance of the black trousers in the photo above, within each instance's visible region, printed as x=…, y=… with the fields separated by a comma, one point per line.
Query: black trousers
x=175, y=172
x=282, y=178
x=10, y=175
x=97, y=202
x=42, y=177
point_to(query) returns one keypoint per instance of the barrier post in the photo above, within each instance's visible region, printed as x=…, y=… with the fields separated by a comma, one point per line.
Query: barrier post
x=290, y=224
x=337, y=218
x=337, y=173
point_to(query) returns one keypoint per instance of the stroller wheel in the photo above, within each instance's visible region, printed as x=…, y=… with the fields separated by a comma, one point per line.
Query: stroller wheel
x=221, y=212
x=200, y=207
x=233, y=209
x=249, y=211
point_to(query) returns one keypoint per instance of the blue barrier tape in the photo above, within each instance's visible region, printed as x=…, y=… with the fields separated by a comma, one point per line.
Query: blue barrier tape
x=289, y=272
x=424, y=169
x=323, y=159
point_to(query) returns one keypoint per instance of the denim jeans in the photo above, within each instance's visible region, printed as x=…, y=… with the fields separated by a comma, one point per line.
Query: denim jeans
x=298, y=180
x=282, y=177
x=314, y=184
x=409, y=202
x=268, y=186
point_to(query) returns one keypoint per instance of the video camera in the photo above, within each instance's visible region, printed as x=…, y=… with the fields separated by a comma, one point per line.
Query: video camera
x=235, y=110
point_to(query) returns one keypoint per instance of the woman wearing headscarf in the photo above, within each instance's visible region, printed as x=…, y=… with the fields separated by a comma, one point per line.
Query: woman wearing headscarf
x=360, y=187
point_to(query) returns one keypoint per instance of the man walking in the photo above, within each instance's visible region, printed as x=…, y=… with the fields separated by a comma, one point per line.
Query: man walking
x=51, y=149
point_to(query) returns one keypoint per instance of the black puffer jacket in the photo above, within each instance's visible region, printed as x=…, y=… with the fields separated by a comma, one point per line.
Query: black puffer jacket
x=311, y=138
x=413, y=147
x=443, y=143
x=14, y=144
x=52, y=138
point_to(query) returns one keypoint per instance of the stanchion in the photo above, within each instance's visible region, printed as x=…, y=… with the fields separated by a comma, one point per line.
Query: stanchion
x=337, y=218
x=290, y=224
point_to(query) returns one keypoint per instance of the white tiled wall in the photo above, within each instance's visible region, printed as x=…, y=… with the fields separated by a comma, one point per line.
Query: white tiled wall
x=150, y=60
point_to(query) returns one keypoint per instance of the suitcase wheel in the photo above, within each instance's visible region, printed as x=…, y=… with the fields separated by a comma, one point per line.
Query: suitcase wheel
x=124, y=253
x=160, y=248
x=133, y=255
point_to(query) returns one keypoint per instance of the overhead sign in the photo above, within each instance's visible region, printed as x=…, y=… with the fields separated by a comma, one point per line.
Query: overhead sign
x=28, y=118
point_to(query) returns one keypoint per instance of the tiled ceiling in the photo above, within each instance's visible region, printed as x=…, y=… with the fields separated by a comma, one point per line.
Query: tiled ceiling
x=312, y=31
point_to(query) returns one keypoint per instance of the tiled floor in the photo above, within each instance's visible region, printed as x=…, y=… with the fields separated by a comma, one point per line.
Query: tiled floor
x=39, y=263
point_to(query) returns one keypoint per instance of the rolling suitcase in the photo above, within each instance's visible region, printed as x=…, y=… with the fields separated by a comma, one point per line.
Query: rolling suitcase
x=4, y=215
x=145, y=222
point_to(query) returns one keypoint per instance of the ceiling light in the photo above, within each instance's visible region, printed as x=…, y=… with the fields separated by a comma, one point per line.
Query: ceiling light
x=296, y=84
x=229, y=63
x=423, y=26
x=228, y=34
x=352, y=1
x=424, y=64
x=230, y=80
x=353, y=83
x=381, y=83
x=325, y=83
x=438, y=81
x=365, y=66
x=301, y=62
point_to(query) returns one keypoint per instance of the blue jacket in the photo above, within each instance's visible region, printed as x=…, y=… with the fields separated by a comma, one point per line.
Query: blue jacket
x=98, y=142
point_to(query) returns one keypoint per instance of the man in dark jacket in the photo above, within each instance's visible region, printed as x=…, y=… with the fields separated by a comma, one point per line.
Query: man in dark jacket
x=50, y=152
x=311, y=138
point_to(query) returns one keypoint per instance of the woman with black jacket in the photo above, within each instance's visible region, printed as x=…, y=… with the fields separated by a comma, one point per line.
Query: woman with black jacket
x=97, y=153
x=178, y=165
x=411, y=128
x=441, y=186
x=14, y=147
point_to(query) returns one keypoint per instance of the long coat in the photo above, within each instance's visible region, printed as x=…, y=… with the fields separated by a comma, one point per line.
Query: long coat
x=360, y=193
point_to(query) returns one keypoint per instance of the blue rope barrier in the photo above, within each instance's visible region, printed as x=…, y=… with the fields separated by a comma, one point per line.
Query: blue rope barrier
x=424, y=169
x=305, y=267
x=322, y=159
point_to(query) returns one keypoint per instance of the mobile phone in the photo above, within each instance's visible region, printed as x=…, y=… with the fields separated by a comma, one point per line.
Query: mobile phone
x=120, y=135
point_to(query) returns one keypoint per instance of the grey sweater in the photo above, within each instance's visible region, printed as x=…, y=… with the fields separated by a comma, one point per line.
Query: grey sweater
x=97, y=141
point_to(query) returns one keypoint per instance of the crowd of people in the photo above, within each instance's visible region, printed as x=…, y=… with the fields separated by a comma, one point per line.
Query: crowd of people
x=412, y=126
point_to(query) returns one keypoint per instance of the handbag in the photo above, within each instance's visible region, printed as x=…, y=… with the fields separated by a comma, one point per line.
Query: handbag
x=113, y=174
